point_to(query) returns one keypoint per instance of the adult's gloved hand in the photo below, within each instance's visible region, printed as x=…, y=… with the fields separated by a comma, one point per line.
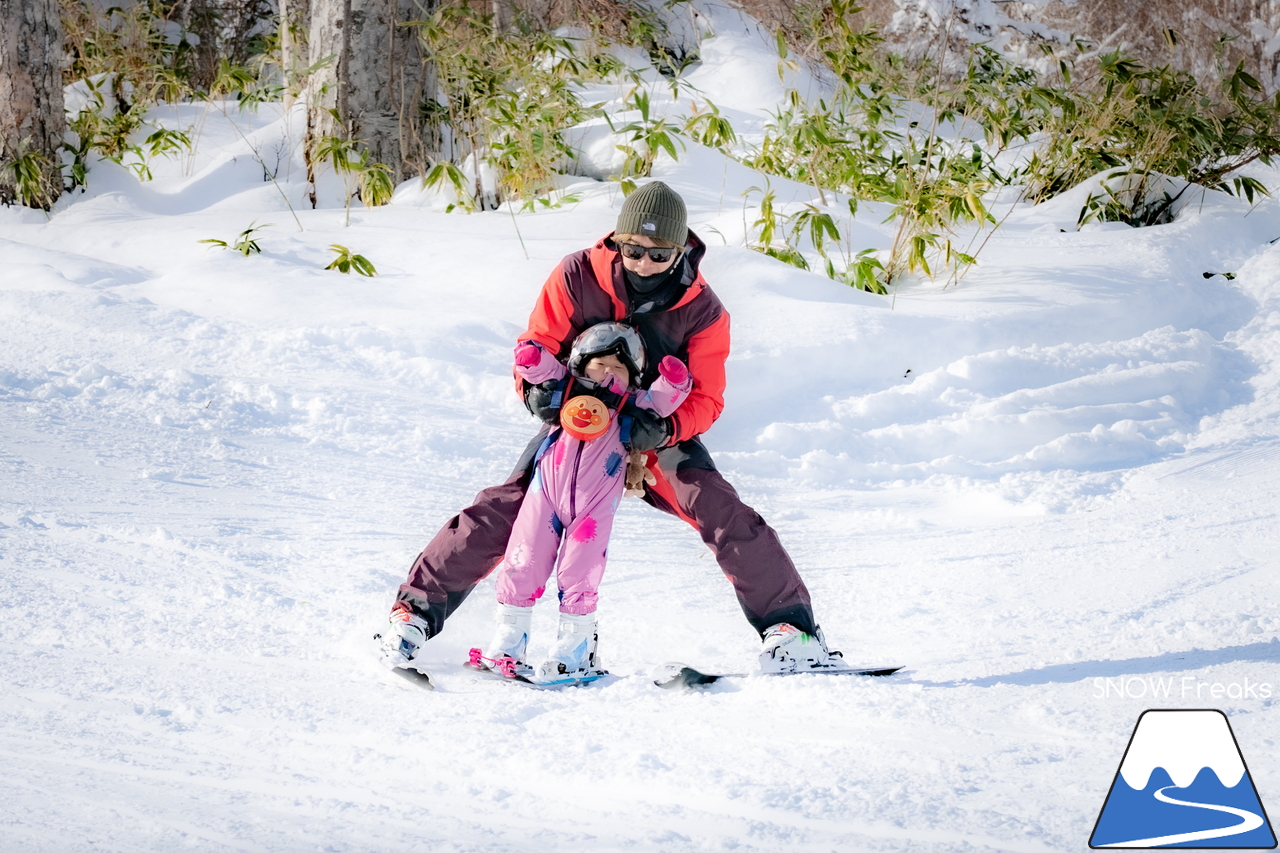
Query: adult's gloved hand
x=537, y=399
x=648, y=431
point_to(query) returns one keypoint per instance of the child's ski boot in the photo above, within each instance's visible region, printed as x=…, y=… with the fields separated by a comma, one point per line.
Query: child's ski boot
x=506, y=651
x=573, y=657
x=788, y=649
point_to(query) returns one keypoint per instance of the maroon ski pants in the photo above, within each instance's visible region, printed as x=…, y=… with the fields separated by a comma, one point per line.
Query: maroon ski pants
x=471, y=544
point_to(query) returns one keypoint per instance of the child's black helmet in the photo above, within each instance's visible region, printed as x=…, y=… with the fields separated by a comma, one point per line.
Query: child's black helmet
x=608, y=339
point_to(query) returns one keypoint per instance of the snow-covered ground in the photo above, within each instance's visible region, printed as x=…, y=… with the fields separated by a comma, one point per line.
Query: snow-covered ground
x=215, y=470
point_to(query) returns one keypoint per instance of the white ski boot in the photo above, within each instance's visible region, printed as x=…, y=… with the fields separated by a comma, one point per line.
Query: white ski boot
x=574, y=654
x=788, y=649
x=510, y=640
x=404, y=636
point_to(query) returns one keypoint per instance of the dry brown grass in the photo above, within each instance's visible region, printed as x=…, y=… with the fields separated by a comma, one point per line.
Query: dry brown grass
x=607, y=18
x=1211, y=34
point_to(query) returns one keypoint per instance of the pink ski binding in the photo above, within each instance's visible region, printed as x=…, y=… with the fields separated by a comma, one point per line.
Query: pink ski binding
x=504, y=666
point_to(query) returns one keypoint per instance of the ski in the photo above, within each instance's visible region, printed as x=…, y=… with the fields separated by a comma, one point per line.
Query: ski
x=418, y=677
x=679, y=676
x=405, y=669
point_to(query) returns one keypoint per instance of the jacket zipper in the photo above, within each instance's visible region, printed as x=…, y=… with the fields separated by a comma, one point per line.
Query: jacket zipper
x=573, y=482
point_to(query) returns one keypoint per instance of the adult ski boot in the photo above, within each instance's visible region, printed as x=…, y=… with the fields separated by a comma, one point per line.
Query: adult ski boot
x=788, y=649
x=403, y=638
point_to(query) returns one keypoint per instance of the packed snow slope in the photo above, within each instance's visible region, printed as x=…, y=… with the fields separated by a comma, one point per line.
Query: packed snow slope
x=1047, y=492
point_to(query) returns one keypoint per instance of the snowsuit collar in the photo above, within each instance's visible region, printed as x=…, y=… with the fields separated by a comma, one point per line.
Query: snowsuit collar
x=606, y=262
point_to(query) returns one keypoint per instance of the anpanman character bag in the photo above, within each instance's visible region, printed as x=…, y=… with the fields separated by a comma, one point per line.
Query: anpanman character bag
x=585, y=417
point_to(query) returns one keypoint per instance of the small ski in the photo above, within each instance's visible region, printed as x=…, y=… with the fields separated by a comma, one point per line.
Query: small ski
x=677, y=676
x=504, y=670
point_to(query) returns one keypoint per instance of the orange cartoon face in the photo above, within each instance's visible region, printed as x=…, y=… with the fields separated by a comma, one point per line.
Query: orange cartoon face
x=584, y=417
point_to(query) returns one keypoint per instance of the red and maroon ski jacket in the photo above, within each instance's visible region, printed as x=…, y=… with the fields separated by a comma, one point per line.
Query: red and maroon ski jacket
x=588, y=287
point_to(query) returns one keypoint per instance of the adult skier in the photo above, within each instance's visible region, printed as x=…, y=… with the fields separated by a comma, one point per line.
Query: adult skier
x=644, y=274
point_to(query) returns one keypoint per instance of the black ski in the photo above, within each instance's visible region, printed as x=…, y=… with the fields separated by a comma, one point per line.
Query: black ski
x=416, y=677
x=678, y=676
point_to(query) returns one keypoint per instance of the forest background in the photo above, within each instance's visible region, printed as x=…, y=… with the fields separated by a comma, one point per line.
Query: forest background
x=481, y=99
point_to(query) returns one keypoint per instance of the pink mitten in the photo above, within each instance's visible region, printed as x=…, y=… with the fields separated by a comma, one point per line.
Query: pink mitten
x=527, y=354
x=673, y=370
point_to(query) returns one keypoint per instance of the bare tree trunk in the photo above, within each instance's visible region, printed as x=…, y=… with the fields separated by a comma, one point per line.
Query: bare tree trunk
x=295, y=26
x=32, y=118
x=504, y=15
x=376, y=80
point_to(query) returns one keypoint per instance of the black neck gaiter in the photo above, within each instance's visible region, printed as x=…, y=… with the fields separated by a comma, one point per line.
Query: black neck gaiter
x=651, y=292
x=643, y=285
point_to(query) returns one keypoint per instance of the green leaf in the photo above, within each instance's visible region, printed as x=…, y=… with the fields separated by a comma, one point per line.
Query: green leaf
x=787, y=255
x=346, y=261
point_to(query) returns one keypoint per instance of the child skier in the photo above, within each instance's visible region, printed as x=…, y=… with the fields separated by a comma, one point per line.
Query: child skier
x=577, y=484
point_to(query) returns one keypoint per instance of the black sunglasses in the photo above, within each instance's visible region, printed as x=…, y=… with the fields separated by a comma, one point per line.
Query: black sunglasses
x=634, y=252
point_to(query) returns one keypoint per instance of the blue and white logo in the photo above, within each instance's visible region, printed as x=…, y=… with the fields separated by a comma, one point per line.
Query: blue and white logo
x=1183, y=783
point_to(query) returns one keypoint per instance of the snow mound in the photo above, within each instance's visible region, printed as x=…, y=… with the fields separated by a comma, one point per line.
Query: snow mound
x=1077, y=406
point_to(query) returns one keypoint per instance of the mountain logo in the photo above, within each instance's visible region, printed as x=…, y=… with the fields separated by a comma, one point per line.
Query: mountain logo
x=1183, y=783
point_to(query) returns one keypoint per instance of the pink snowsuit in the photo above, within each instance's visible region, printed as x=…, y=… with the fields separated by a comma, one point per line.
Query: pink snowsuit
x=575, y=492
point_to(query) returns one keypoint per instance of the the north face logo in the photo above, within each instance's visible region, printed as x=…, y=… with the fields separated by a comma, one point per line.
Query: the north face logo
x=649, y=226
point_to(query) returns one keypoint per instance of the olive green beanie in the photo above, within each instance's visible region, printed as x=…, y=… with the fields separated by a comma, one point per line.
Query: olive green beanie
x=655, y=210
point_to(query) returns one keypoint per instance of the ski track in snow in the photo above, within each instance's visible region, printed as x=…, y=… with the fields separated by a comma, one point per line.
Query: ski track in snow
x=215, y=470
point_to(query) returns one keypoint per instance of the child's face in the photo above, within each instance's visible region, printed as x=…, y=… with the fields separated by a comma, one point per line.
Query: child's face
x=603, y=368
